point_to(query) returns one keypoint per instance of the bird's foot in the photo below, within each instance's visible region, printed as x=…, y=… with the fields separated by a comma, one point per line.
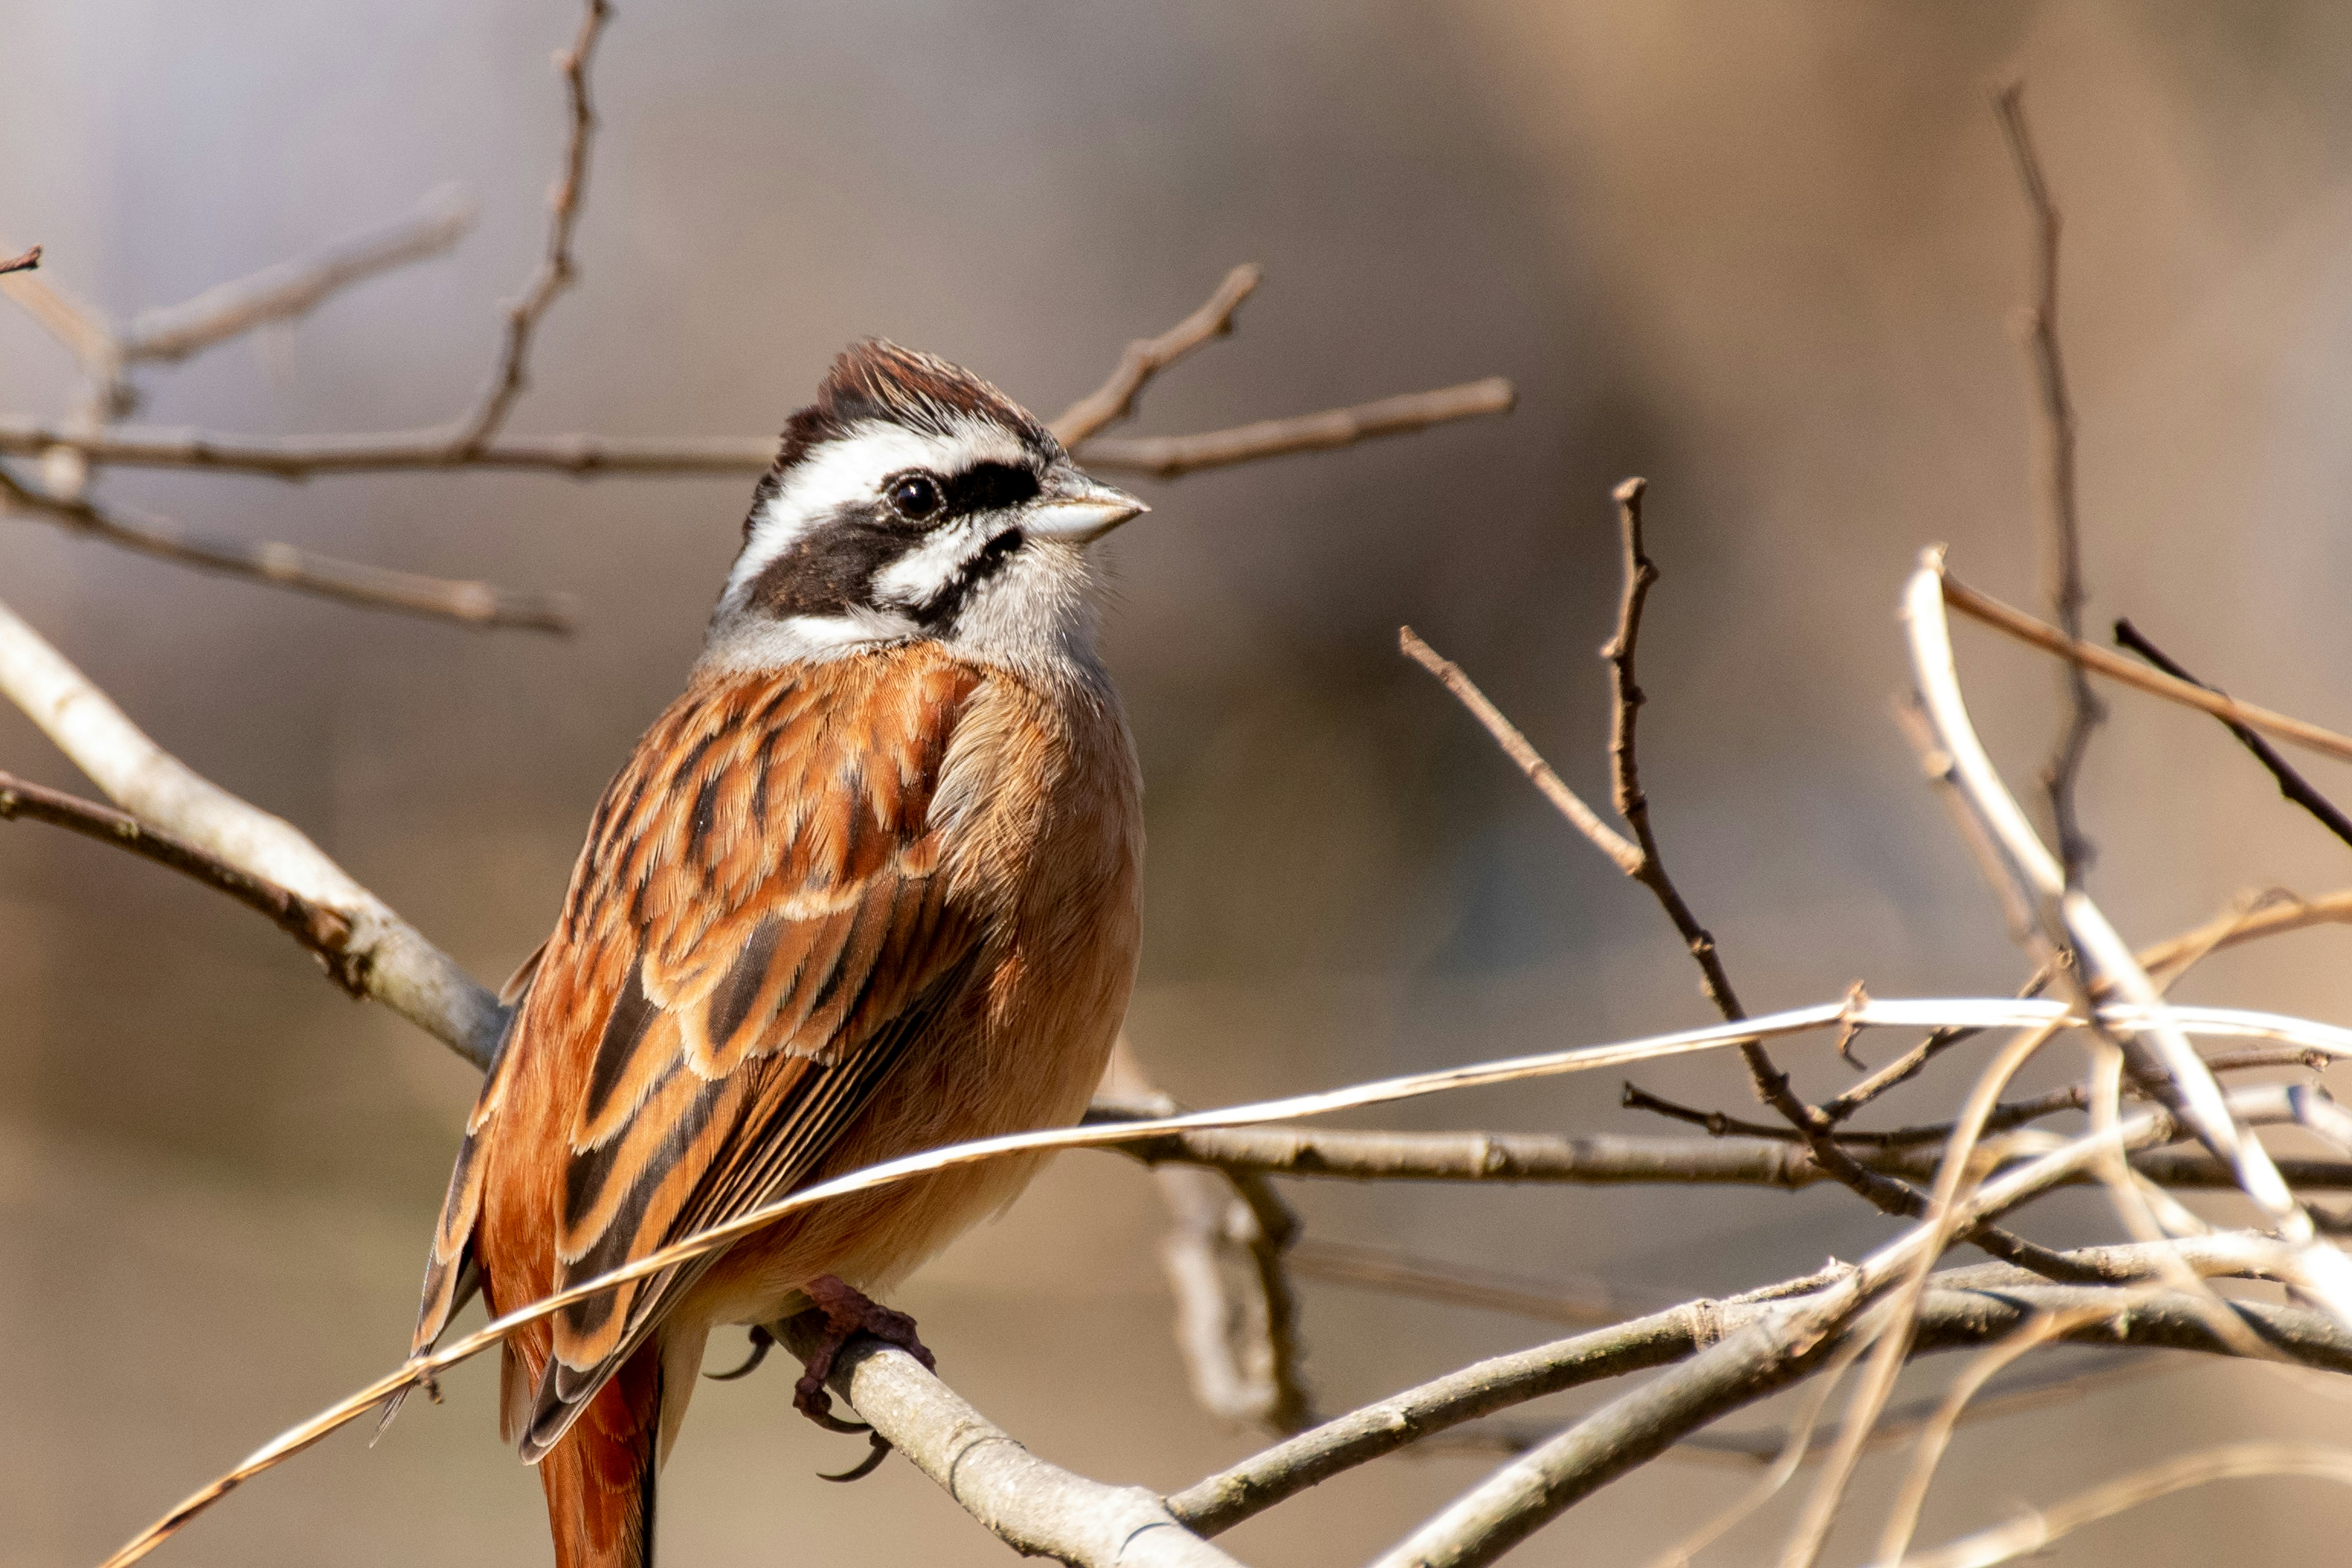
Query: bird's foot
x=763, y=1342
x=843, y=1313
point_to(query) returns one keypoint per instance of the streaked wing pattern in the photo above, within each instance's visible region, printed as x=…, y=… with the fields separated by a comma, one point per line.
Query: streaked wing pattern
x=756, y=928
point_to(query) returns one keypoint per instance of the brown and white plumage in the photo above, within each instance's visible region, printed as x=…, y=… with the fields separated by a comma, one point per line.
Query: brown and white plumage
x=869, y=886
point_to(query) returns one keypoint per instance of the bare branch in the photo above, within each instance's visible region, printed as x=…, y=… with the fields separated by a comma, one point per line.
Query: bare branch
x=1172, y=456
x=28, y=262
x=305, y=457
x=2292, y=784
x=323, y=931
x=2062, y=520
x=1038, y=1509
x=279, y=565
x=1602, y=1160
x=2091, y=655
x=1114, y=400
x=291, y=289
x=396, y=964
x=1995, y=1196
x=556, y=268
x=2102, y=950
x=1964, y=1307
x=1605, y=838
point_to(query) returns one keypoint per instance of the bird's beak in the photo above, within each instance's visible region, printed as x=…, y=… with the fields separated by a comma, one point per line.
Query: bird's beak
x=1080, y=511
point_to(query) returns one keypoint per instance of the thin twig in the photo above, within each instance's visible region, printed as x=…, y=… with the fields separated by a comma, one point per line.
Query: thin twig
x=28, y=262
x=2130, y=672
x=2292, y=784
x=325, y=932
x=2062, y=518
x=291, y=289
x=2103, y=952
x=475, y=604
x=1605, y=838
x=1771, y=1085
x=2038, y=1528
x=556, y=270
x=1172, y=456
x=1114, y=400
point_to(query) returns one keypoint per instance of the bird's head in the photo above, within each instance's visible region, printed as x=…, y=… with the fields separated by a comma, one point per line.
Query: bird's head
x=913, y=500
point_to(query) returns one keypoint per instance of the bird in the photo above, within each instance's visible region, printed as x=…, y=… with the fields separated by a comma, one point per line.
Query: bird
x=870, y=885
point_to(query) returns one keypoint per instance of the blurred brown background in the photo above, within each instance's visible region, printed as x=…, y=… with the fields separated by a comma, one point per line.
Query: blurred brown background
x=1764, y=254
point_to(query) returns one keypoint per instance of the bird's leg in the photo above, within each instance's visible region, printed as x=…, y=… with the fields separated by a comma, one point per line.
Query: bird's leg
x=842, y=1314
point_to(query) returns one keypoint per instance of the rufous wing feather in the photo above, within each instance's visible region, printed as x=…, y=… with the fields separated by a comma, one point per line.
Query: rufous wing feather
x=759, y=924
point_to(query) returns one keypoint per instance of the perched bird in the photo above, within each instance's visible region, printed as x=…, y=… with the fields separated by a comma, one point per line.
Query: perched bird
x=870, y=885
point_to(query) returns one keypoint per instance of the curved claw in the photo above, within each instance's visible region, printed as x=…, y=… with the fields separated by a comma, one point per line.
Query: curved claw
x=761, y=1343
x=867, y=1466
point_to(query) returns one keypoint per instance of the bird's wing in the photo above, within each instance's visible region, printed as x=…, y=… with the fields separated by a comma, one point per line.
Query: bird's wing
x=758, y=926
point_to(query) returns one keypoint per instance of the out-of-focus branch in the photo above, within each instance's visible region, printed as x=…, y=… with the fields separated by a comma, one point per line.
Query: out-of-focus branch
x=2130, y=672
x=323, y=931
x=2036, y=1528
x=556, y=268
x=291, y=289
x=1038, y=1509
x=2060, y=517
x=284, y=566
x=26, y=262
x=1583, y=1303
x=1114, y=400
x=390, y=958
x=1171, y=456
x=2292, y=784
x=1225, y=1258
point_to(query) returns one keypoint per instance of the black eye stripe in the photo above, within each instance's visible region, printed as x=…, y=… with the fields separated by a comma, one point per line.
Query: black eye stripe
x=988, y=487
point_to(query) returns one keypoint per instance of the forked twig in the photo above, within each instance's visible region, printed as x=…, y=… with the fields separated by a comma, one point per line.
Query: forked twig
x=556, y=270
x=326, y=931
x=2130, y=672
x=1114, y=400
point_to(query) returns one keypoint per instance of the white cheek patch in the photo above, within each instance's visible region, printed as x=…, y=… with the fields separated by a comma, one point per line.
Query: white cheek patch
x=919, y=576
x=849, y=471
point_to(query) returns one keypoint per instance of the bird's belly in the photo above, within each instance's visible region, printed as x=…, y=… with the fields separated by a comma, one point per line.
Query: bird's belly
x=948, y=1090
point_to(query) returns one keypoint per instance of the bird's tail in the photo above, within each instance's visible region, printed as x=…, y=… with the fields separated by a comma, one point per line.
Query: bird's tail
x=599, y=1478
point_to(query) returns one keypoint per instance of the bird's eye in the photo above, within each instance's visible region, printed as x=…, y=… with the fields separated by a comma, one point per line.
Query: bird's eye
x=915, y=496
